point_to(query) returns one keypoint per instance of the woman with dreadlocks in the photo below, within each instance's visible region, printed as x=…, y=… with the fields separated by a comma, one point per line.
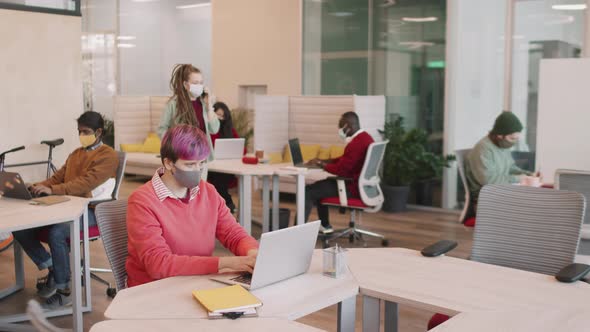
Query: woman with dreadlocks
x=189, y=104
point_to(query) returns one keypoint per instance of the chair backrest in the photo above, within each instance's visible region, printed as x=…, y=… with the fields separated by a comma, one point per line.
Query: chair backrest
x=460, y=156
x=111, y=220
x=532, y=229
x=120, y=173
x=369, y=181
x=39, y=320
x=572, y=180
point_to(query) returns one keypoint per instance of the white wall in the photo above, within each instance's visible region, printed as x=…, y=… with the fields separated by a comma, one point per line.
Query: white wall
x=165, y=35
x=40, y=85
x=564, y=114
x=474, y=77
x=256, y=42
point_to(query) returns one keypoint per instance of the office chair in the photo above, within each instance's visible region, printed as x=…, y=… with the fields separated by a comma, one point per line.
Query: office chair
x=111, y=220
x=526, y=228
x=371, y=196
x=94, y=232
x=465, y=217
x=578, y=181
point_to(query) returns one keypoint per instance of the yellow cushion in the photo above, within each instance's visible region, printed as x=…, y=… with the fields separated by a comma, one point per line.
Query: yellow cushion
x=132, y=147
x=308, y=152
x=324, y=153
x=151, y=144
x=336, y=151
x=275, y=158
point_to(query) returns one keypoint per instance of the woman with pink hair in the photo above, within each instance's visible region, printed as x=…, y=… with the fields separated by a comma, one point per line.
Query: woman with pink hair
x=174, y=219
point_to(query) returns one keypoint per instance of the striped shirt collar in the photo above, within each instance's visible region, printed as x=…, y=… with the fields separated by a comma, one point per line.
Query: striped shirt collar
x=94, y=147
x=163, y=192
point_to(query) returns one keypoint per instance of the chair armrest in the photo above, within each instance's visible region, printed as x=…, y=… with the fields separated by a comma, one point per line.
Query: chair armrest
x=439, y=248
x=341, y=182
x=93, y=204
x=572, y=272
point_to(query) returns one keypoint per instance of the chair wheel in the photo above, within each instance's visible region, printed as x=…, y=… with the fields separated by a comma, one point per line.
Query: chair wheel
x=385, y=242
x=325, y=244
x=111, y=292
x=351, y=238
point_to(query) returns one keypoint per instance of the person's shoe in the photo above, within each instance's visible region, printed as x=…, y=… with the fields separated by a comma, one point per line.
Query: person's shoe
x=326, y=230
x=46, y=286
x=61, y=298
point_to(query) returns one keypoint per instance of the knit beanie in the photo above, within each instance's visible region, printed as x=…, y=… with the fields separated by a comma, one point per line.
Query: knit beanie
x=506, y=123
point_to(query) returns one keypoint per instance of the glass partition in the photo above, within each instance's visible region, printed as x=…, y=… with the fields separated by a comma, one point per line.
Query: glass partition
x=63, y=7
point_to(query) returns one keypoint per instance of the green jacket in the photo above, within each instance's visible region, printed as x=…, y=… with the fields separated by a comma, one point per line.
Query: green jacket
x=487, y=163
x=168, y=120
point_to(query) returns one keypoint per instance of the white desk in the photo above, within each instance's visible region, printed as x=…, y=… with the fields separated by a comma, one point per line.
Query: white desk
x=515, y=321
x=450, y=285
x=291, y=299
x=191, y=325
x=245, y=172
x=19, y=215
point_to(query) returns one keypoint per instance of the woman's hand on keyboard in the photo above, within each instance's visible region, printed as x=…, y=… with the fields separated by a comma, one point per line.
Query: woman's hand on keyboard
x=237, y=263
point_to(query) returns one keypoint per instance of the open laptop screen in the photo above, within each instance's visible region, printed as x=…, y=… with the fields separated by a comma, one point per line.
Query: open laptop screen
x=295, y=149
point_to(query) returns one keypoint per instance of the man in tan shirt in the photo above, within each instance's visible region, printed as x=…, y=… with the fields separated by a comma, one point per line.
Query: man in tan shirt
x=88, y=169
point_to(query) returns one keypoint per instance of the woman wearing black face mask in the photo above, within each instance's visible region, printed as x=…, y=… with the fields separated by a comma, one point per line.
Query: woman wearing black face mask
x=221, y=181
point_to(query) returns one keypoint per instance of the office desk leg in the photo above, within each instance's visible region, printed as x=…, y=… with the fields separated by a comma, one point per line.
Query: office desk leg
x=76, y=275
x=371, y=314
x=86, y=259
x=391, y=317
x=265, y=203
x=275, y=202
x=300, y=199
x=347, y=314
x=246, y=203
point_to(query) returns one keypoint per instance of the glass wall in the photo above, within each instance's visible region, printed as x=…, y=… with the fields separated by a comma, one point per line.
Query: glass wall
x=63, y=7
x=543, y=29
x=392, y=48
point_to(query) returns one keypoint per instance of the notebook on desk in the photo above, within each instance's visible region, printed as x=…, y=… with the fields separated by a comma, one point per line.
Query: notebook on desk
x=225, y=300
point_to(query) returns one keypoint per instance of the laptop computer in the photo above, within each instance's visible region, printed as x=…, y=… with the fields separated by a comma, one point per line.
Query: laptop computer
x=282, y=254
x=229, y=148
x=13, y=186
x=297, y=156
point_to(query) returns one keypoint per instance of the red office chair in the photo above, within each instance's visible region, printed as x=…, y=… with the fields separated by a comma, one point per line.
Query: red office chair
x=370, y=200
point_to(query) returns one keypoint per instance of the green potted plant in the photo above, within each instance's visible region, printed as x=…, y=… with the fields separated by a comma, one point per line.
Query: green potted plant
x=407, y=161
x=242, y=121
x=108, y=137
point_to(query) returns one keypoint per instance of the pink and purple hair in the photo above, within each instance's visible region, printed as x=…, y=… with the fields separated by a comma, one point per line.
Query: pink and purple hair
x=184, y=142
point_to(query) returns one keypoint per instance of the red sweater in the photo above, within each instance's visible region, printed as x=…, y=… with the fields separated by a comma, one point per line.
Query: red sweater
x=171, y=238
x=351, y=162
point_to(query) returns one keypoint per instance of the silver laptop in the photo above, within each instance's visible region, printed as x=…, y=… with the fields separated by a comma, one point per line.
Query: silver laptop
x=282, y=254
x=12, y=185
x=229, y=148
x=297, y=156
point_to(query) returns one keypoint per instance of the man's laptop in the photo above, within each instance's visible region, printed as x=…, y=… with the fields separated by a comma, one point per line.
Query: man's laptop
x=297, y=156
x=282, y=254
x=229, y=148
x=13, y=186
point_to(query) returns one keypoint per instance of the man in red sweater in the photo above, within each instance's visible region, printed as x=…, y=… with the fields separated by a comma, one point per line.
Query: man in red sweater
x=349, y=166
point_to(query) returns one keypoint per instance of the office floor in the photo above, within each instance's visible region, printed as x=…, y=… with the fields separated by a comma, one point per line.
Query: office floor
x=412, y=229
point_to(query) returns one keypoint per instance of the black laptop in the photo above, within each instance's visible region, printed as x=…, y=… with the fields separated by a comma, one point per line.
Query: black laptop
x=297, y=156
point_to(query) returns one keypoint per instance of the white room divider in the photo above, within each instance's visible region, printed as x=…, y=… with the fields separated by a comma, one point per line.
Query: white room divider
x=563, y=135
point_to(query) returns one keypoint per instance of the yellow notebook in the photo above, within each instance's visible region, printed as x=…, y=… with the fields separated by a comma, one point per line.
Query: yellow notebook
x=226, y=299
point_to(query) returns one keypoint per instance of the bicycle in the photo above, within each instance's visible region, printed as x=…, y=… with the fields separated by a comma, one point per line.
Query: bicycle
x=50, y=166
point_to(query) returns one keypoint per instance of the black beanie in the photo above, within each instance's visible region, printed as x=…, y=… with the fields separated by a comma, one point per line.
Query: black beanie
x=506, y=123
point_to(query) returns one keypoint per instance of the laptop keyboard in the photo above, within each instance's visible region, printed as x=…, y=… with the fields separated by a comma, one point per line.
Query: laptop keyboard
x=244, y=278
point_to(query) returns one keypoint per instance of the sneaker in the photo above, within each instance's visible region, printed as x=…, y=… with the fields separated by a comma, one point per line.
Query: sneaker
x=61, y=298
x=326, y=230
x=46, y=286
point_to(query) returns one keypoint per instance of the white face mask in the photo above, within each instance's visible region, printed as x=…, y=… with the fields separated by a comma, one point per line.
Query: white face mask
x=342, y=134
x=196, y=89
